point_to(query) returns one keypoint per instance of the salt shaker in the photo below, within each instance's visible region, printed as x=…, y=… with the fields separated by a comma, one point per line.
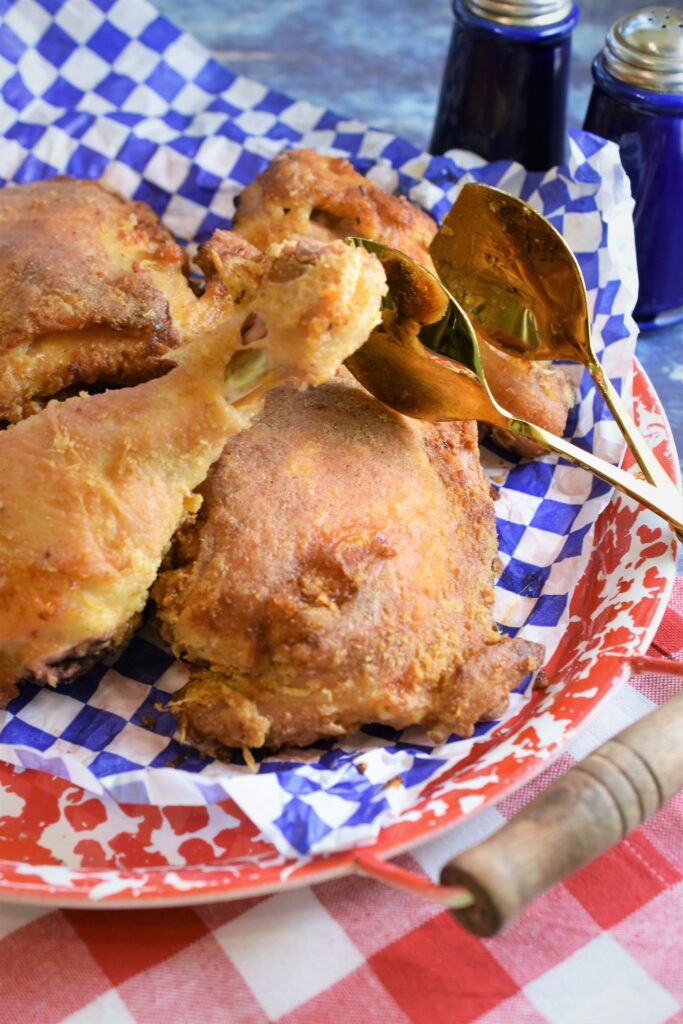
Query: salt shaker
x=637, y=101
x=504, y=90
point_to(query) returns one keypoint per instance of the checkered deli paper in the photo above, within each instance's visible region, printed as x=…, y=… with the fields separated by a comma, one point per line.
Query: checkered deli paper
x=95, y=88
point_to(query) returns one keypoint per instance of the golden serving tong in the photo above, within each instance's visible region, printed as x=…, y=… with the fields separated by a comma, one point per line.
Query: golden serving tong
x=424, y=361
x=520, y=284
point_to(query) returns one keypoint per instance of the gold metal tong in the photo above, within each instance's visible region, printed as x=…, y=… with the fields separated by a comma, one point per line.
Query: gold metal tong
x=522, y=287
x=424, y=360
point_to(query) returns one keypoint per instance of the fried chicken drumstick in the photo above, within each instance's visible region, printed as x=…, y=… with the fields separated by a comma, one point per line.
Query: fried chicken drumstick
x=93, y=488
x=340, y=572
x=305, y=194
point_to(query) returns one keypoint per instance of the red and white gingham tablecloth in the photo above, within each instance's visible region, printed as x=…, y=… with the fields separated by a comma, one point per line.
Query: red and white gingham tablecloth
x=606, y=947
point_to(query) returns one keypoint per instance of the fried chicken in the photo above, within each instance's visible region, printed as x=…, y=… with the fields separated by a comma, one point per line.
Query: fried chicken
x=92, y=488
x=93, y=290
x=304, y=194
x=340, y=572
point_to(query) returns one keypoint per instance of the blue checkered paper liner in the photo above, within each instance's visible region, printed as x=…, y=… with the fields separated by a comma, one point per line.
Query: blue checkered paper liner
x=97, y=88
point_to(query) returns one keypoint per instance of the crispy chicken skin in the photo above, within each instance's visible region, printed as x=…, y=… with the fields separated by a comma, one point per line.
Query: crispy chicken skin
x=305, y=194
x=339, y=572
x=92, y=290
x=533, y=391
x=93, y=488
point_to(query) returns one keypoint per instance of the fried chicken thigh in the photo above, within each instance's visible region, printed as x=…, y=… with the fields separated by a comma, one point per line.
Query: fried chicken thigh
x=93, y=488
x=92, y=290
x=305, y=194
x=340, y=572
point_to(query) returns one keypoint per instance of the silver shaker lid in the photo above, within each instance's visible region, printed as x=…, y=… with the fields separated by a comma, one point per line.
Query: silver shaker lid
x=645, y=49
x=521, y=13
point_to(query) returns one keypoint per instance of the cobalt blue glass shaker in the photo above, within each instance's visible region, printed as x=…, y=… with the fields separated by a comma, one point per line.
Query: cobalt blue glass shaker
x=637, y=101
x=504, y=89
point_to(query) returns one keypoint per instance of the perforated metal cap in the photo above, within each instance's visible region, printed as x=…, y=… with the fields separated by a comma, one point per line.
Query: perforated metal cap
x=645, y=49
x=521, y=13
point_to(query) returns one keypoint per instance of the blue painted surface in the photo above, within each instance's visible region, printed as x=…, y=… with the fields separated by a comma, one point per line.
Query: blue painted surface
x=382, y=62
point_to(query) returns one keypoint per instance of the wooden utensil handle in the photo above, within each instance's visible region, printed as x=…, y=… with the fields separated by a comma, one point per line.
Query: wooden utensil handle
x=575, y=819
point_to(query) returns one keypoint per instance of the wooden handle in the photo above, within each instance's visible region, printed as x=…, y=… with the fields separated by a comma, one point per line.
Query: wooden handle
x=575, y=819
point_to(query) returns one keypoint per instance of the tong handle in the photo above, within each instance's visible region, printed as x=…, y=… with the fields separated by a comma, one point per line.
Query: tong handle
x=666, y=501
x=652, y=468
x=574, y=820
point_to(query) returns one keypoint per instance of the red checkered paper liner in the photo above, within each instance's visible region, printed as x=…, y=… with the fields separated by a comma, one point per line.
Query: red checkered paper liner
x=605, y=947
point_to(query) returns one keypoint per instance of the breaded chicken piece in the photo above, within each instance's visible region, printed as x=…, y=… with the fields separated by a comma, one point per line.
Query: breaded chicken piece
x=533, y=391
x=305, y=194
x=93, y=488
x=340, y=572
x=92, y=290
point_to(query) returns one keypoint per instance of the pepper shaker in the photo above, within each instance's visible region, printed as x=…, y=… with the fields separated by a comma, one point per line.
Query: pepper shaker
x=504, y=90
x=637, y=101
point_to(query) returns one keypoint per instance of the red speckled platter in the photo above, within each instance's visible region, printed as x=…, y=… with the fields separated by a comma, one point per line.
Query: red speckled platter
x=60, y=845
